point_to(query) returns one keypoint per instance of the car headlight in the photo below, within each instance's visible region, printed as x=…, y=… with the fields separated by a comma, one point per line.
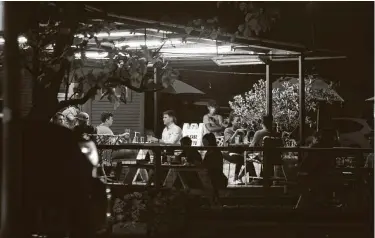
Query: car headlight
x=88, y=148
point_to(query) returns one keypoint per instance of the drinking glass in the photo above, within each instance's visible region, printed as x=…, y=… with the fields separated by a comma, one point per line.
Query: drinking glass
x=183, y=160
x=237, y=140
x=142, y=139
x=151, y=159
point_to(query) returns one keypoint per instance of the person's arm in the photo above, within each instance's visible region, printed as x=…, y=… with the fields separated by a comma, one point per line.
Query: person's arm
x=220, y=120
x=229, y=136
x=210, y=127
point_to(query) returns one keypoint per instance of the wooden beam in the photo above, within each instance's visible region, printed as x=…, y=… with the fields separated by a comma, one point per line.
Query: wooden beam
x=302, y=92
x=156, y=113
x=268, y=90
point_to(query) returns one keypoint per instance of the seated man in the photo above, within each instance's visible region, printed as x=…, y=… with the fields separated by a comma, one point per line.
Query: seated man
x=213, y=162
x=59, y=119
x=171, y=133
x=265, y=131
x=262, y=133
x=230, y=135
x=83, y=126
x=192, y=155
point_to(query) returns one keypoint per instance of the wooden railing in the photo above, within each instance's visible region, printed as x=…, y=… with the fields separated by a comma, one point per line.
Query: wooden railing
x=158, y=149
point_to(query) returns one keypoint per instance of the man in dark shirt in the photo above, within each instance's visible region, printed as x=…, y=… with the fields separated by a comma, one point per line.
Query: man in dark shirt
x=192, y=156
x=83, y=126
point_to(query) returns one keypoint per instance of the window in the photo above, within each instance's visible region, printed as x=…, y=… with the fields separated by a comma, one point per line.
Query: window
x=347, y=126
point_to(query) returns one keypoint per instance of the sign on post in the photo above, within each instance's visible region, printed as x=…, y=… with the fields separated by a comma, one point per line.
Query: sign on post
x=194, y=131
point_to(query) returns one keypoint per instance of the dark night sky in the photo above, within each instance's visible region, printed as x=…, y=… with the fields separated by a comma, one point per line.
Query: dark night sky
x=347, y=27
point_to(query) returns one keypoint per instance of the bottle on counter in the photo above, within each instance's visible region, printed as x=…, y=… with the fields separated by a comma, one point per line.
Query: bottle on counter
x=136, y=137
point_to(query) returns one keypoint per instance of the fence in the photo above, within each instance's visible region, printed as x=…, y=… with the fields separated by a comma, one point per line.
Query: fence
x=267, y=154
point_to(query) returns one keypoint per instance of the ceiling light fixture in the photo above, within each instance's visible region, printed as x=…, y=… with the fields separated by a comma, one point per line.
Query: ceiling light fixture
x=150, y=43
x=93, y=55
x=197, y=50
x=113, y=34
x=237, y=60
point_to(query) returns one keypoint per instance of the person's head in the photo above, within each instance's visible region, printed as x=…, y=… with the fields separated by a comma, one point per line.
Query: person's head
x=235, y=120
x=267, y=122
x=149, y=132
x=107, y=118
x=169, y=117
x=209, y=140
x=186, y=141
x=59, y=119
x=83, y=118
x=212, y=106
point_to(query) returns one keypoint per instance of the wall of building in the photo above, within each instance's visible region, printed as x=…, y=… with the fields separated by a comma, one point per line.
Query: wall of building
x=130, y=115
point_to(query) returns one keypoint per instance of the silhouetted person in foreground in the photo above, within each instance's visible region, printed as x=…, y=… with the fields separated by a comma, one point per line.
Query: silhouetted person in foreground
x=83, y=126
x=192, y=157
x=213, y=162
x=319, y=167
x=191, y=154
x=59, y=188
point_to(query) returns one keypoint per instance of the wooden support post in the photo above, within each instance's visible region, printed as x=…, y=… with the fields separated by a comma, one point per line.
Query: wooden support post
x=156, y=113
x=302, y=113
x=11, y=188
x=268, y=90
x=158, y=171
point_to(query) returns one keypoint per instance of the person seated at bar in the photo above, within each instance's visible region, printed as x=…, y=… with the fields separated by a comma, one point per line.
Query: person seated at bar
x=213, y=121
x=104, y=127
x=230, y=135
x=70, y=114
x=213, y=162
x=265, y=131
x=107, y=121
x=59, y=119
x=172, y=133
x=193, y=157
x=83, y=126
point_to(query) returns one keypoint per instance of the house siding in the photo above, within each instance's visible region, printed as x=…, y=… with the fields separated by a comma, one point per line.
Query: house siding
x=128, y=115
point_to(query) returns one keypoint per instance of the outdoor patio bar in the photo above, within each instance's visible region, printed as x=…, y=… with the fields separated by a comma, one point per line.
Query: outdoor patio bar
x=109, y=119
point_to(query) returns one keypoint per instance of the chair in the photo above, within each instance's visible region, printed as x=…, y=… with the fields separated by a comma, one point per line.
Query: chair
x=220, y=141
x=111, y=166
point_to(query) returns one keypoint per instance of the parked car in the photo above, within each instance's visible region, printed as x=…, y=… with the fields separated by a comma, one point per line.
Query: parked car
x=353, y=132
